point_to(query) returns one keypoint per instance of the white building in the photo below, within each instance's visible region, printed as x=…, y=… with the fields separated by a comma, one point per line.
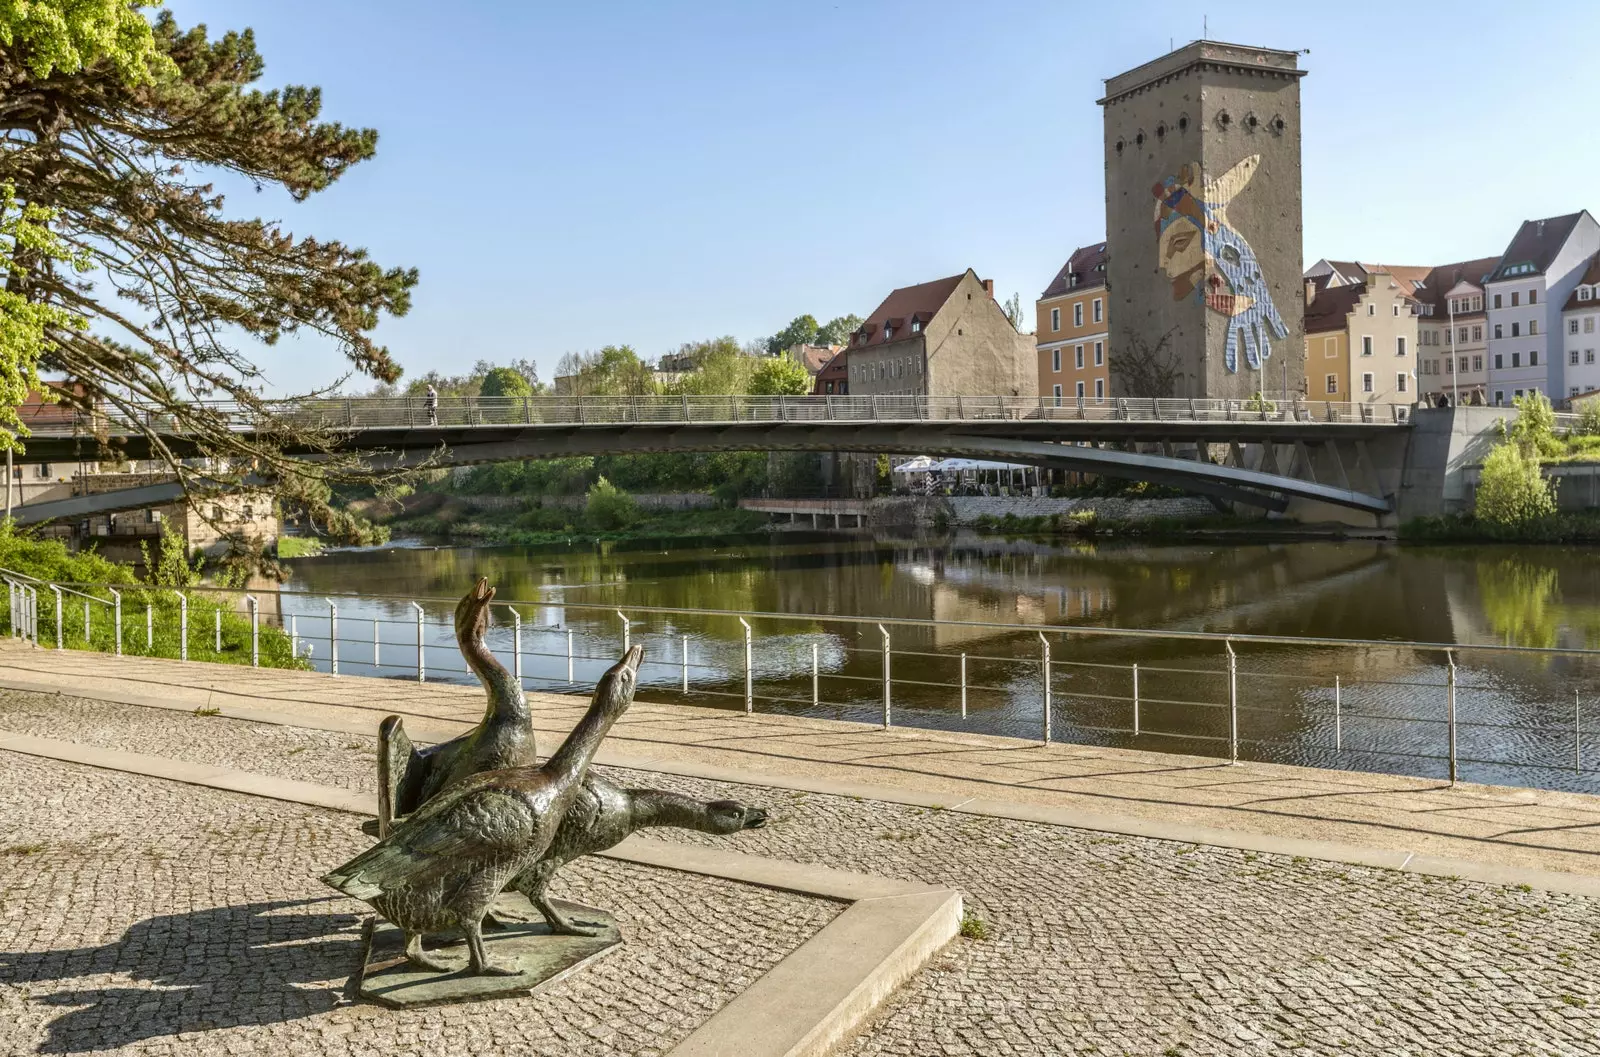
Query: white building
x=1526, y=293
x=1580, y=332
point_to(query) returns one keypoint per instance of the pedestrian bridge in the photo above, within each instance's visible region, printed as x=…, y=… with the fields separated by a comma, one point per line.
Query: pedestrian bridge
x=1262, y=453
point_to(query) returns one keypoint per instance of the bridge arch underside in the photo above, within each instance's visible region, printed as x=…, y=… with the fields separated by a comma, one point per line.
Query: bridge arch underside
x=1234, y=484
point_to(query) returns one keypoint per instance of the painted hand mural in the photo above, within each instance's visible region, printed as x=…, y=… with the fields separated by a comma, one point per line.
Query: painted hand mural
x=1207, y=259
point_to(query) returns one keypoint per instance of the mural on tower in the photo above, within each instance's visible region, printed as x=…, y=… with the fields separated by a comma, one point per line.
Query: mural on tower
x=1209, y=260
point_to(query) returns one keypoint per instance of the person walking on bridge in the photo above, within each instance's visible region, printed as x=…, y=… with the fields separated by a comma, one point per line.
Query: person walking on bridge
x=431, y=402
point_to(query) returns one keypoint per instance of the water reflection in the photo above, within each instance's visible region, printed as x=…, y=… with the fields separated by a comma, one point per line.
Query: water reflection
x=1372, y=707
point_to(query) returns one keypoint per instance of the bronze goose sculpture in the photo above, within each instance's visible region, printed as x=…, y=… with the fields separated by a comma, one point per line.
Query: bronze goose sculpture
x=442, y=867
x=409, y=777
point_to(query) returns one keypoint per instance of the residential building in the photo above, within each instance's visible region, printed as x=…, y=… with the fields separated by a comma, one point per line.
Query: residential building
x=812, y=357
x=1073, y=330
x=948, y=337
x=250, y=515
x=1580, y=331
x=1526, y=294
x=1206, y=142
x=1452, y=333
x=834, y=378
x=1361, y=339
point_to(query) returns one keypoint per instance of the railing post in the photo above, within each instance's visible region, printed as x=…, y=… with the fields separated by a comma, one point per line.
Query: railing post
x=569, y=656
x=685, y=664
x=888, y=716
x=1338, y=717
x=516, y=646
x=1450, y=685
x=377, y=657
x=57, y=592
x=149, y=627
x=422, y=661
x=1233, y=703
x=1044, y=671
x=333, y=637
x=1577, y=733
x=294, y=634
x=1136, y=700
x=33, y=614
x=255, y=630
x=183, y=626
x=86, y=639
x=963, y=686
x=749, y=671
x=216, y=627
x=11, y=606
x=117, y=617
x=815, y=652
x=627, y=642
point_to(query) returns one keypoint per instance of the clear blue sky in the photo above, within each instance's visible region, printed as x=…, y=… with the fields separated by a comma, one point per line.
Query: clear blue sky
x=571, y=175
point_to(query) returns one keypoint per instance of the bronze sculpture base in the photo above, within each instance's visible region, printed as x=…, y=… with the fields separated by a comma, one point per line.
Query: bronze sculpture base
x=541, y=958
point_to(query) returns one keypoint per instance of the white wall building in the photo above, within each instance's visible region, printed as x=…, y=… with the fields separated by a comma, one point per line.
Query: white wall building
x=1580, y=332
x=1526, y=293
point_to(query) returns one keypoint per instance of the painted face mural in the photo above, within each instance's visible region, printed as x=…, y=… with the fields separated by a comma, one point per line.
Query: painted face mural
x=1208, y=260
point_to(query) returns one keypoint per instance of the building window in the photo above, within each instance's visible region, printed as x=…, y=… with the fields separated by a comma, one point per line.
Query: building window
x=1080, y=390
x=1499, y=361
x=1514, y=302
x=1055, y=321
x=916, y=326
x=1516, y=359
x=1366, y=383
x=1533, y=326
x=1572, y=357
x=1333, y=384
x=1477, y=363
x=1517, y=395
x=1477, y=303
x=1372, y=310
x=1499, y=394
x=1055, y=361
x=1366, y=345
x=1330, y=347
x=1498, y=332
x=1099, y=354
x=1400, y=346
x=1462, y=334
x=1533, y=297
x=1497, y=305
x=1077, y=356
x=1572, y=390
x=1077, y=317
x=1395, y=307
x=1583, y=293
x=1099, y=311
x=1516, y=330
x=1588, y=324
x=1056, y=389
x=1477, y=333
x=1572, y=326
x=1533, y=359
x=1400, y=382
x=1463, y=363
x=1099, y=388
x=888, y=332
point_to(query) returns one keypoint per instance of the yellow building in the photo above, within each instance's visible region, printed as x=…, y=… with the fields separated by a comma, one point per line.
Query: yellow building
x=1073, y=324
x=1361, y=340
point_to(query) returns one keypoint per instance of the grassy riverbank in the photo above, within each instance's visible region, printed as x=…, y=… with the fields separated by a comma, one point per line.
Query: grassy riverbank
x=1578, y=526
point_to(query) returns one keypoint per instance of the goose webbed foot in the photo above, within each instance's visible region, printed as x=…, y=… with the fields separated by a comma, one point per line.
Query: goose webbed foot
x=421, y=959
x=500, y=920
x=478, y=963
x=562, y=925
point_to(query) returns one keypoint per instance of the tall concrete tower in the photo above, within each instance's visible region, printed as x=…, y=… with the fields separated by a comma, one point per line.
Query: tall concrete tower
x=1203, y=223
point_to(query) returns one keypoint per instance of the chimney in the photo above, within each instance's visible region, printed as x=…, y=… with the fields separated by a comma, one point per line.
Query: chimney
x=988, y=286
x=1311, y=291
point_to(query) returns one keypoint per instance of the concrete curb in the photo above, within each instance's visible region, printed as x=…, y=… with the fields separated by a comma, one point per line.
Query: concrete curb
x=820, y=993
x=1405, y=861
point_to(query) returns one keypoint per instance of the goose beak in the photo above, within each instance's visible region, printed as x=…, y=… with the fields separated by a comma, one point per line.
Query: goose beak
x=632, y=659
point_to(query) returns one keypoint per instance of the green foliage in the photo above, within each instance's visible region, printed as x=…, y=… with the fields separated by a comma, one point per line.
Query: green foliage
x=802, y=330
x=1013, y=310
x=298, y=547
x=837, y=331
x=609, y=508
x=1512, y=490
x=1259, y=402
x=1519, y=601
x=1589, y=419
x=779, y=376
x=65, y=36
x=25, y=324
x=615, y=370
x=505, y=381
x=170, y=567
x=1534, y=428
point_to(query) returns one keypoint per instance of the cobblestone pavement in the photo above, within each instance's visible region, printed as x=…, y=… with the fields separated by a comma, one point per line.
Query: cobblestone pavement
x=139, y=916
x=1122, y=945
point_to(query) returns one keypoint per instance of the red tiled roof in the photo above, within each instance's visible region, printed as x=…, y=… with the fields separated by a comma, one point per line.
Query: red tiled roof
x=1331, y=306
x=1591, y=277
x=922, y=300
x=836, y=370
x=1088, y=263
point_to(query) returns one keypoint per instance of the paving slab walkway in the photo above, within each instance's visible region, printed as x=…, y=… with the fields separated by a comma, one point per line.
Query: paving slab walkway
x=1411, y=823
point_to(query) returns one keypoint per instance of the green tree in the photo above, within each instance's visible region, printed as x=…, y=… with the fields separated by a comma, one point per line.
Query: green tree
x=615, y=370
x=1013, y=311
x=802, y=330
x=837, y=331
x=25, y=325
x=1512, y=491
x=505, y=381
x=610, y=508
x=779, y=376
x=112, y=147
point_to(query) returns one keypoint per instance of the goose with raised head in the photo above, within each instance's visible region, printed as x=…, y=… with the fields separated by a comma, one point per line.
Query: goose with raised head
x=409, y=777
x=442, y=867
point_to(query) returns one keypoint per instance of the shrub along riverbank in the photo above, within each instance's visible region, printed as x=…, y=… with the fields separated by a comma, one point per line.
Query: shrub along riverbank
x=152, y=604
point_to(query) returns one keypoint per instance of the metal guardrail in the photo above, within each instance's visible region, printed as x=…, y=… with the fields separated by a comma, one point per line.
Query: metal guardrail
x=367, y=413
x=1220, y=700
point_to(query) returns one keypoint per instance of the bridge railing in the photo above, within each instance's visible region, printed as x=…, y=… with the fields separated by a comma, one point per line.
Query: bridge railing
x=408, y=412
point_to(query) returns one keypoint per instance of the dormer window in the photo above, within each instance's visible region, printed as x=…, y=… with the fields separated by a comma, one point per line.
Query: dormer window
x=916, y=326
x=888, y=331
x=1072, y=279
x=1585, y=293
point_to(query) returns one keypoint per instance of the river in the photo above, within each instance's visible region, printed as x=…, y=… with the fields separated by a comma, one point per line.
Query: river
x=1521, y=718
